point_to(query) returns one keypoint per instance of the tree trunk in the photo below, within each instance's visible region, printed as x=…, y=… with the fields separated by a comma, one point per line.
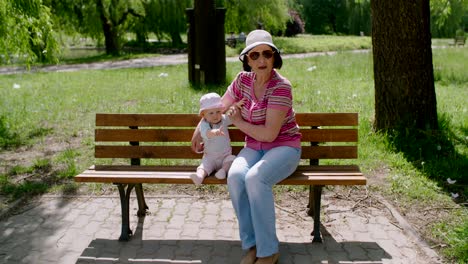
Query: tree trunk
x=403, y=71
x=111, y=37
x=176, y=39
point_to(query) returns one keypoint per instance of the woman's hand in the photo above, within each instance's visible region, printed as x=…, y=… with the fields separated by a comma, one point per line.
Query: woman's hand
x=197, y=141
x=234, y=112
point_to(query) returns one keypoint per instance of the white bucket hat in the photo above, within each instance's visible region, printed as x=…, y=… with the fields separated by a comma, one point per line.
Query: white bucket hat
x=210, y=101
x=255, y=38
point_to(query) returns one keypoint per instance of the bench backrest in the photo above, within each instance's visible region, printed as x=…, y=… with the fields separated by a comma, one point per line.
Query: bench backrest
x=168, y=136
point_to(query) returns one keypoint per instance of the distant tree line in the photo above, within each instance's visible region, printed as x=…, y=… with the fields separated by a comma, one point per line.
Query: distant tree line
x=31, y=29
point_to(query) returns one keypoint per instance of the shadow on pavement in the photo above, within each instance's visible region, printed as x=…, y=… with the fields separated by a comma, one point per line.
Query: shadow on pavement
x=138, y=250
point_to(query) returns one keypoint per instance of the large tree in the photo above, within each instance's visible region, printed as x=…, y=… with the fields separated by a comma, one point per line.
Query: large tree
x=403, y=71
x=97, y=18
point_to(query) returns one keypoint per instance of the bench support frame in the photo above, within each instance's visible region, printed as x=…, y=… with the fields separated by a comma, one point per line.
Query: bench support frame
x=125, y=191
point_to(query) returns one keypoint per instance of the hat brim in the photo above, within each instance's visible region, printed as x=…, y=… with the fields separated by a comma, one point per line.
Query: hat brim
x=253, y=45
x=220, y=105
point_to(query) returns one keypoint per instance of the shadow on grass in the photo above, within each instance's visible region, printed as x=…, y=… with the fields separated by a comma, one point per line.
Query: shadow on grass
x=435, y=154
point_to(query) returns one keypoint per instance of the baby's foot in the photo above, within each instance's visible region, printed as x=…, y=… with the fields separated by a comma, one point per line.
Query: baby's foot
x=197, y=179
x=221, y=174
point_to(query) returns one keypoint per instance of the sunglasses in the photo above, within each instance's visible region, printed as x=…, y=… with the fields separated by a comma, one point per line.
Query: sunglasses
x=267, y=54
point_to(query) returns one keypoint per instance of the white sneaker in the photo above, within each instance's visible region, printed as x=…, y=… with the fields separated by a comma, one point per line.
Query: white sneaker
x=221, y=174
x=197, y=180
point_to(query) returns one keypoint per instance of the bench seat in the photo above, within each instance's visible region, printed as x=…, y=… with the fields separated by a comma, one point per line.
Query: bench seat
x=304, y=175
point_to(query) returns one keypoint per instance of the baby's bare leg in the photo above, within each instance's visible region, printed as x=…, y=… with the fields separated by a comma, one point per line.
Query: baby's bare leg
x=198, y=177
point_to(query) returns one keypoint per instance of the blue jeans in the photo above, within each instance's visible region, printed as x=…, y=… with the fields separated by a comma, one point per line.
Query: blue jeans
x=250, y=183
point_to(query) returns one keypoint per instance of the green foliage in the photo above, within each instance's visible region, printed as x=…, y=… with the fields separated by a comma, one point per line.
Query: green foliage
x=337, y=17
x=100, y=19
x=246, y=15
x=447, y=17
x=354, y=16
x=166, y=19
x=27, y=32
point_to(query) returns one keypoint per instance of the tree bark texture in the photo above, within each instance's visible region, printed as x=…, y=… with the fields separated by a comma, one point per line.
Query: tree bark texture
x=111, y=37
x=403, y=70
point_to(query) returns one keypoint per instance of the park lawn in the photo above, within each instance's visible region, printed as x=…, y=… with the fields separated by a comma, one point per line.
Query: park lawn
x=44, y=109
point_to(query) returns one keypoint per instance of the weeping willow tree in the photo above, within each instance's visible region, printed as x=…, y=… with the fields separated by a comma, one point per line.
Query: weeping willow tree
x=166, y=19
x=246, y=15
x=26, y=32
x=110, y=19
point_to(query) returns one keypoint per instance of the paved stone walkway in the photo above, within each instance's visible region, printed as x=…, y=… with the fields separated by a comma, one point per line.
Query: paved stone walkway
x=184, y=229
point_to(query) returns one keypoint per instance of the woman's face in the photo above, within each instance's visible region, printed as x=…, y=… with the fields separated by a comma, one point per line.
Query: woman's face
x=261, y=59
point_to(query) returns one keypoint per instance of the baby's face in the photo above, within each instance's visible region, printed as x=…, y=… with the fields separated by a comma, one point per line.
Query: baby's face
x=213, y=116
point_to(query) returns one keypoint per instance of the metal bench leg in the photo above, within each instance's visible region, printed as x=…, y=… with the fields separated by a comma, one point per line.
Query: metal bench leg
x=316, y=213
x=142, y=207
x=126, y=232
x=310, y=205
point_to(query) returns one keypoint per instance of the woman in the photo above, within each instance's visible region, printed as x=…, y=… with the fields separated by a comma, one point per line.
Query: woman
x=272, y=150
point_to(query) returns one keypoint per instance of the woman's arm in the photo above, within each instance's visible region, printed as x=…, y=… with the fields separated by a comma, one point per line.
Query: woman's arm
x=264, y=133
x=197, y=141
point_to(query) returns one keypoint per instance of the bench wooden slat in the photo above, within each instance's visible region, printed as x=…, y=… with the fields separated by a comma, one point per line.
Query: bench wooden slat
x=185, y=135
x=184, y=120
x=175, y=120
x=304, y=175
x=185, y=152
x=327, y=119
x=329, y=152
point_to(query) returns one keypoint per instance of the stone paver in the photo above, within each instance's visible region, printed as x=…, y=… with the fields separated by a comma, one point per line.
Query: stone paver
x=192, y=230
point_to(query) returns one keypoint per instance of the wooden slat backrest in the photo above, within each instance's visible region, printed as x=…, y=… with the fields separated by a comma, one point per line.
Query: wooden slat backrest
x=168, y=136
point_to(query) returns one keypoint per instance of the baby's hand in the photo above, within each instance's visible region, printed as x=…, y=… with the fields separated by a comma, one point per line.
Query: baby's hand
x=240, y=103
x=214, y=133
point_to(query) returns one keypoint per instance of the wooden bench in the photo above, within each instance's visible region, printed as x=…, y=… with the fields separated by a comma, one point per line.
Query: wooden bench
x=133, y=149
x=458, y=41
x=232, y=40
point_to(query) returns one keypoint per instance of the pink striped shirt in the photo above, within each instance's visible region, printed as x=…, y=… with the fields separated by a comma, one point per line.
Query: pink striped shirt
x=278, y=95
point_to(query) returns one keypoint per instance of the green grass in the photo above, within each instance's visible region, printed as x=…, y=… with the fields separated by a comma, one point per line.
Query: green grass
x=63, y=106
x=312, y=43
